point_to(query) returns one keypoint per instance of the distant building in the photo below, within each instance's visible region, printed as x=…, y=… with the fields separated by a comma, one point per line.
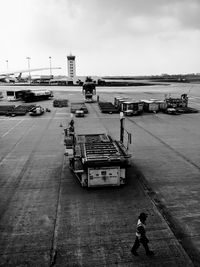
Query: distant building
x=71, y=66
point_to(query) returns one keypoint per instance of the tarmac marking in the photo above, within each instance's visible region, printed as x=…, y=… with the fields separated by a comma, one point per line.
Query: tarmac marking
x=17, y=143
x=57, y=118
x=12, y=128
x=54, y=244
x=21, y=174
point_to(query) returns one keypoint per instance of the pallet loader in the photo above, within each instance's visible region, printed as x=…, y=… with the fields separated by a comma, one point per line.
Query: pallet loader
x=98, y=160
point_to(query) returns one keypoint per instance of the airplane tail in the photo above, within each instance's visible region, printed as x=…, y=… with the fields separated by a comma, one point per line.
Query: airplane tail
x=19, y=77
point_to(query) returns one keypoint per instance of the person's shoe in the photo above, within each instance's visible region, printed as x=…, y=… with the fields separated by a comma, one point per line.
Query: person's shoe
x=150, y=253
x=134, y=253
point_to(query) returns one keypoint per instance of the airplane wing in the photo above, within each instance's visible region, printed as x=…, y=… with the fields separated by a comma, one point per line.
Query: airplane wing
x=6, y=73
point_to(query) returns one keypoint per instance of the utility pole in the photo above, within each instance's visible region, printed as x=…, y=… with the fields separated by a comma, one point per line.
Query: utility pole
x=29, y=73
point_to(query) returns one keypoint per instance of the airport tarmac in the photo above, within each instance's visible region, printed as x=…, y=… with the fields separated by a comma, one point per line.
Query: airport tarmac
x=48, y=219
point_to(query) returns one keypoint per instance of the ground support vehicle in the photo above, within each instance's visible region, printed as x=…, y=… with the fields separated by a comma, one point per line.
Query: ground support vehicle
x=69, y=144
x=21, y=110
x=180, y=110
x=185, y=110
x=14, y=95
x=36, y=95
x=12, y=110
x=98, y=160
x=69, y=139
x=78, y=106
x=6, y=109
x=60, y=103
x=175, y=102
x=180, y=105
x=79, y=113
x=89, y=90
x=36, y=111
x=171, y=111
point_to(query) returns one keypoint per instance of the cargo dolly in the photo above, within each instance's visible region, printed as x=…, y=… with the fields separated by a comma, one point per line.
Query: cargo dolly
x=78, y=106
x=107, y=107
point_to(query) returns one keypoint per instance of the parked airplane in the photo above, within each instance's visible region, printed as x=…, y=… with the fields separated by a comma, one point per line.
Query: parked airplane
x=7, y=76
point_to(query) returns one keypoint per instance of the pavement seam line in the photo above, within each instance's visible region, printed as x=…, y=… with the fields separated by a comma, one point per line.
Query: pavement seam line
x=16, y=144
x=161, y=208
x=53, y=252
x=24, y=168
x=166, y=145
x=12, y=128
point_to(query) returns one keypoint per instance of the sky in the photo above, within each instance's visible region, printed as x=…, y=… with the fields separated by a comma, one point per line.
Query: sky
x=108, y=37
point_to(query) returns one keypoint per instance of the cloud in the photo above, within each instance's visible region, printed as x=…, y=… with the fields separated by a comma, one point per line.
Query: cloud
x=101, y=30
x=78, y=24
x=71, y=18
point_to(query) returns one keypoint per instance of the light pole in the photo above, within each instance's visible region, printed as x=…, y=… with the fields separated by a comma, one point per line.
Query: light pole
x=50, y=66
x=122, y=127
x=29, y=73
x=7, y=64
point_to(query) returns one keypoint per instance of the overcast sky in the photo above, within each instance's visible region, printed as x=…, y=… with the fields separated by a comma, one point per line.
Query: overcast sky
x=108, y=37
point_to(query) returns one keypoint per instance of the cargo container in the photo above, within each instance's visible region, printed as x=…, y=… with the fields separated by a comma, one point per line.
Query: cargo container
x=121, y=101
x=116, y=100
x=131, y=108
x=162, y=105
x=150, y=106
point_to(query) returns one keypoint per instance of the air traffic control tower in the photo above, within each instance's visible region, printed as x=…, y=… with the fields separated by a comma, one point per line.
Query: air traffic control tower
x=71, y=66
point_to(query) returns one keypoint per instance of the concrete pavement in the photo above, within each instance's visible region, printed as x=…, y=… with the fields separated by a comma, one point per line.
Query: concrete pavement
x=47, y=219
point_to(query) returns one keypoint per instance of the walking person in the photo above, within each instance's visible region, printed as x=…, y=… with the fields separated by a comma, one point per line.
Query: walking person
x=141, y=236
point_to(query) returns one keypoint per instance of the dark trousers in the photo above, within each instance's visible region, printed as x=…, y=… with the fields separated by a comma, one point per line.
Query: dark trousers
x=137, y=243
